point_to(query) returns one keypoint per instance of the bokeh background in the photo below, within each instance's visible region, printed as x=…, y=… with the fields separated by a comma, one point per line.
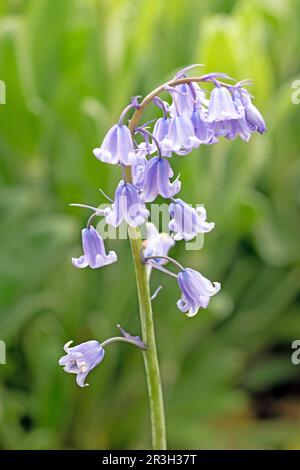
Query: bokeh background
x=70, y=67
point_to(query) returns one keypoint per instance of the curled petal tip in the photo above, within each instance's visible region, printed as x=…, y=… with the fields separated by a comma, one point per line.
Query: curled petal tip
x=67, y=345
x=135, y=101
x=97, y=152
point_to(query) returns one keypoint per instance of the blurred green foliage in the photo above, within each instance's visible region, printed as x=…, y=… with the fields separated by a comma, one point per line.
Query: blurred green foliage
x=69, y=68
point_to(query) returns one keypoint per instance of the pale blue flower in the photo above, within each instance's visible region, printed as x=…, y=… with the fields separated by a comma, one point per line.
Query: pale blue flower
x=127, y=206
x=253, y=117
x=160, y=132
x=184, y=101
x=117, y=146
x=196, y=291
x=202, y=129
x=181, y=137
x=221, y=107
x=94, y=251
x=249, y=122
x=186, y=222
x=84, y=357
x=81, y=359
x=161, y=128
x=157, y=176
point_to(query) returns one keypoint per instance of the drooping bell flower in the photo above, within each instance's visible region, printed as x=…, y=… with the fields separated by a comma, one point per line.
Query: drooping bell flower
x=81, y=359
x=157, y=244
x=160, y=132
x=127, y=206
x=181, y=137
x=196, y=291
x=161, y=128
x=157, y=176
x=84, y=357
x=249, y=122
x=235, y=127
x=117, y=146
x=253, y=117
x=94, y=251
x=221, y=107
x=202, y=129
x=186, y=222
x=185, y=100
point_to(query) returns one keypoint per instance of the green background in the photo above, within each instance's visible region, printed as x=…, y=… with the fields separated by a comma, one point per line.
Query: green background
x=70, y=66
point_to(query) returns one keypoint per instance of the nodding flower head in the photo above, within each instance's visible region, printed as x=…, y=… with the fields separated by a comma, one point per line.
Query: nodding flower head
x=186, y=221
x=203, y=131
x=250, y=121
x=196, y=291
x=84, y=357
x=117, y=146
x=181, y=137
x=157, y=244
x=81, y=359
x=253, y=117
x=94, y=251
x=127, y=206
x=157, y=176
x=184, y=101
x=160, y=132
x=221, y=107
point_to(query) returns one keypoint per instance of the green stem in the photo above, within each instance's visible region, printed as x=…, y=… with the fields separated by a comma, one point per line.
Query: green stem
x=150, y=354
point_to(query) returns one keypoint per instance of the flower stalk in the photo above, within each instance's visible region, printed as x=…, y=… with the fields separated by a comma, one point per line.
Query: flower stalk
x=155, y=393
x=153, y=378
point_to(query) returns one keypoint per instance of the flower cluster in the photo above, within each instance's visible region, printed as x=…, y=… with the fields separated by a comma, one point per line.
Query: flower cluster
x=192, y=117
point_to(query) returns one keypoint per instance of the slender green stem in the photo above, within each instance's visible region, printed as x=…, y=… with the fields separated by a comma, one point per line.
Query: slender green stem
x=150, y=354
